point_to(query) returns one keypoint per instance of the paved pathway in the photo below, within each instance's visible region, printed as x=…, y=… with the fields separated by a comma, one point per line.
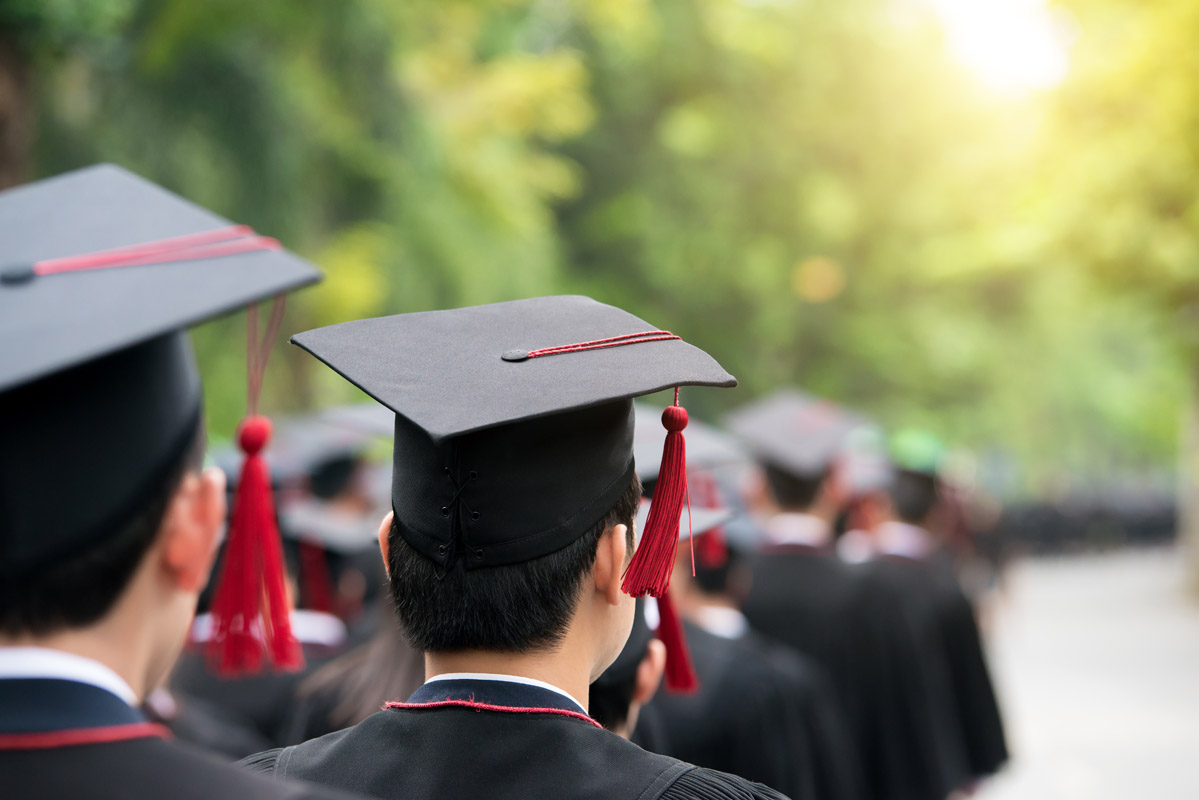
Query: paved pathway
x=1096, y=659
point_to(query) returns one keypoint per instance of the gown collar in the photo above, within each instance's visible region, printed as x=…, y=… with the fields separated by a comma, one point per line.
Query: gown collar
x=489, y=692
x=41, y=713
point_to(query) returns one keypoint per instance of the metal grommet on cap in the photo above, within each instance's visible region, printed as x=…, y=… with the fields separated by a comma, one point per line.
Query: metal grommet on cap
x=474, y=476
x=445, y=511
x=478, y=555
x=441, y=548
x=474, y=515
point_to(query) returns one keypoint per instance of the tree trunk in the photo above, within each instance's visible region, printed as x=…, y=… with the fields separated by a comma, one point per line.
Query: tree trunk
x=16, y=113
x=1188, y=490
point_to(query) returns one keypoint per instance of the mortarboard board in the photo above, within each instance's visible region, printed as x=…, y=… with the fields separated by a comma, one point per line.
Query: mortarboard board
x=102, y=274
x=514, y=421
x=794, y=431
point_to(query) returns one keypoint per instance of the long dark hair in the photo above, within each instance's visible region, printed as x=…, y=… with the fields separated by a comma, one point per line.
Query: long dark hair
x=359, y=682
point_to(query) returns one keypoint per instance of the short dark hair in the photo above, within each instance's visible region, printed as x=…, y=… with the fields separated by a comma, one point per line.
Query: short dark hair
x=792, y=491
x=608, y=704
x=713, y=578
x=82, y=588
x=332, y=476
x=914, y=495
x=513, y=608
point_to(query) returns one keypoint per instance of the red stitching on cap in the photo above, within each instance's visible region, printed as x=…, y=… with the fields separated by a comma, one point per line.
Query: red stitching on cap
x=489, y=707
x=599, y=344
x=226, y=241
x=44, y=740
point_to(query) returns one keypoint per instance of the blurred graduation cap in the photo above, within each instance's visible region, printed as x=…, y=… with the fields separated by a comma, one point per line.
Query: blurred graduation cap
x=864, y=464
x=513, y=430
x=301, y=449
x=706, y=446
x=796, y=432
x=698, y=522
x=102, y=274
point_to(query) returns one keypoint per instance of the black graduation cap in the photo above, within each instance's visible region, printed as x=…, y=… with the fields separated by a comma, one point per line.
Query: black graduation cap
x=101, y=273
x=514, y=421
x=794, y=431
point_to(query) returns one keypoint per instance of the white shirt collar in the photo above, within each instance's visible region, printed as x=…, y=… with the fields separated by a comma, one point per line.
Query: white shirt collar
x=494, y=676
x=309, y=627
x=796, y=528
x=42, y=662
x=855, y=546
x=901, y=539
x=727, y=623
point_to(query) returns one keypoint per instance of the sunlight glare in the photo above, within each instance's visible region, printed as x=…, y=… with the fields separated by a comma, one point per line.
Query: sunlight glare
x=1012, y=46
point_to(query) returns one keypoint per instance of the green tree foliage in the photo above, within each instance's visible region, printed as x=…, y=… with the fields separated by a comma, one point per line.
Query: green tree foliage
x=812, y=191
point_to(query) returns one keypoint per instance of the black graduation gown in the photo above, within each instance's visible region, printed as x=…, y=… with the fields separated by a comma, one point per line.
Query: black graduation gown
x=947, y=618
x=859, y=632
x=206, y=726
x=469, y=739
x=762, y=713
x=69, y=740
x=263, y=700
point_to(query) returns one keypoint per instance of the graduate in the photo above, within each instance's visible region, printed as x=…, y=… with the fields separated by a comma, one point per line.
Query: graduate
x=510, y=548
x=108, y=525
x=910, y=560
x=803, y=596
x=761, y=711
x=323, y=523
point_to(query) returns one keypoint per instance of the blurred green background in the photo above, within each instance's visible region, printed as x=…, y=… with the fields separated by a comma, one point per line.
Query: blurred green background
x=981, y=226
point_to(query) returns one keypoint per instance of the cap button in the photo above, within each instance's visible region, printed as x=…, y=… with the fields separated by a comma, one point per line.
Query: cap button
x=22, y=273
x=515, y=355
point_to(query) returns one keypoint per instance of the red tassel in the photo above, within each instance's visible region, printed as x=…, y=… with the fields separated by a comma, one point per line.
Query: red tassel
x=713, y=549
x=649, y=571
x=316, y=585
x=680, y=673
x=250, y=610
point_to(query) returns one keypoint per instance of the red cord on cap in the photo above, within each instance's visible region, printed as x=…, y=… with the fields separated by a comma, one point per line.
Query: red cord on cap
x=250, y=610
x=649, y=571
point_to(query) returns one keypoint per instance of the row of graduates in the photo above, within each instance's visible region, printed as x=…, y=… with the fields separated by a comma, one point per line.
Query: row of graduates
x=773, y=607
x=511, y=555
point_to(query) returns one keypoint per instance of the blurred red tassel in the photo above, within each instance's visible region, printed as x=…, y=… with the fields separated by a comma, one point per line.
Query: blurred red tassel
x=680, y=673
x=649, y=571
x=250, y=610
x=712, y=546
x=316, y=584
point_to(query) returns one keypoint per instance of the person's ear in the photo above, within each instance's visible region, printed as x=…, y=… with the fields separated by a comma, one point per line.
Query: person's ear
x=191, y=528
x=384, y=545
x=610, y=563
x=649, y=672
